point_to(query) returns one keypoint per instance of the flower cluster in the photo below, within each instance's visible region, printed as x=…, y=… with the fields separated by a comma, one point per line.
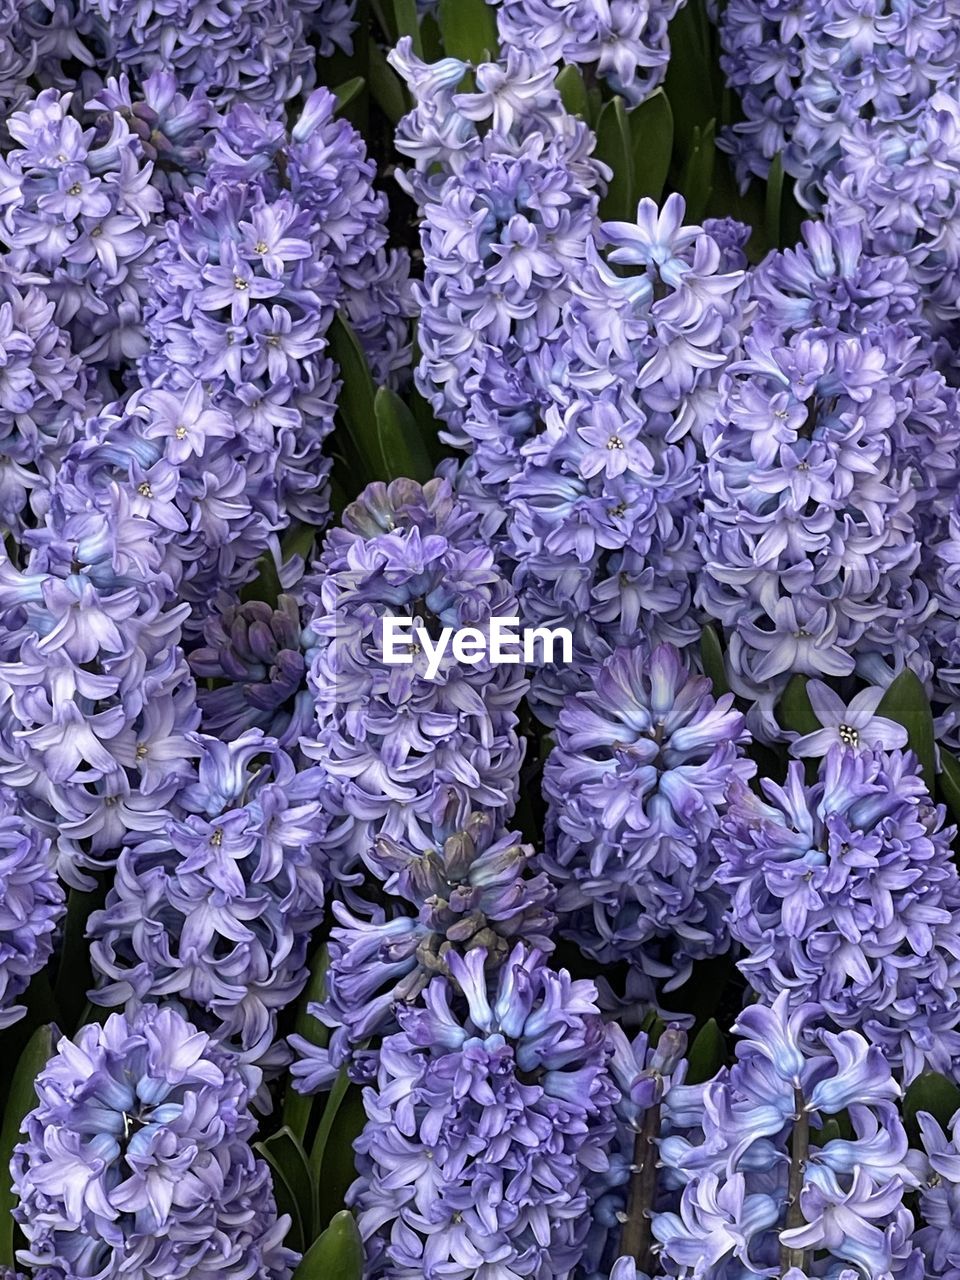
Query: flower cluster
x=44, y=395
x=485, y=1129
x=31, y=905
x=258, y=656
x=465, y=890
x=606, y=486
x=217, y=908
x=255, y=52
x=37, y=37
x=97, y=698
x=77, y=218
x=285, y=228
x=636, y=785
x=900, y=184
x=626, y=43
x=845, y=894
x=764, y=1185
x=137, y=1157
x=937, y=1169
x=405, y=753
x=508, y=190
x=808, y=73
x=828, y=466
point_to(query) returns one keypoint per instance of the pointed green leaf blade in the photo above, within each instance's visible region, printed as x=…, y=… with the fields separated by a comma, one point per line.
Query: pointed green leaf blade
x=774, y=202
x=906, y=702
x=297, y=1107
x=288, y=1160
x=402, y=448
x=706, y=1054
x=573, y=92
x=346, y=93
x=615, y=148
x=711, y=655
x=407, y=23
x=337, y=1255
x=651, y=133
x=469, y=30
x=948, y=781
x=796, y=712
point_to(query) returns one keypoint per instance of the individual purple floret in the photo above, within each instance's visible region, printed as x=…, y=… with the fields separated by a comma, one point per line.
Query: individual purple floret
x=845, y=893
x=636, y=785
x=624, y=43
x=854, y=725
x=218, y=907
x=137, y=1159
x=484, y=1130
x=461, y=891
x=32, y=905
x=255, y=51
x=405, y=752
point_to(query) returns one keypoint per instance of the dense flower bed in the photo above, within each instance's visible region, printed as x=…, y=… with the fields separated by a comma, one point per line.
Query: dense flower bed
x=635, y=321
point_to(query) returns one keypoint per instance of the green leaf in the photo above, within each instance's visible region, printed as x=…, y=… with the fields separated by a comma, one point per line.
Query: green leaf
x=707, y=1053
x=431, y=37
x=299, y=540
x=74, y=975
x=339, y=1165
x=774, y=202
x=795, y=710
x=693, y=82
x=829, y=1131
x=402, y=448
x=933, y=1093
x=318, y=1152
x=356, y=407
x=288, y=1160
x=296, y=1106
x=469, y=30
x=386, y=87
x=21, y=1099
x=948, y=781
x=696, y=184
x=651, y=133
x=615, y=148
x=906, y=702
x=337, y=1255
x=407, y=23
x=711, y=655
x=573, y=92
x=287, y=1201
x=346, y=92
